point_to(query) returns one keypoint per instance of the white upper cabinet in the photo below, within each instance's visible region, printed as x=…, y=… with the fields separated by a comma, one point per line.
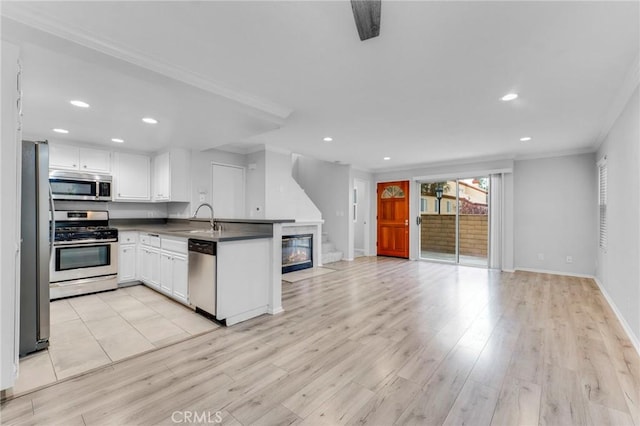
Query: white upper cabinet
x=95, y=160
x=70, y=157
x=131, y=177
x=64, y=157
x=171, y=176
x=162, y=177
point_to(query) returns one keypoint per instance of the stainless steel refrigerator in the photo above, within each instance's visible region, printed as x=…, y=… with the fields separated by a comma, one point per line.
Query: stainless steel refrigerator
x=35, y=248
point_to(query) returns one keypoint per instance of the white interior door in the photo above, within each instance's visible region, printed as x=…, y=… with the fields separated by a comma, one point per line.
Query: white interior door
x=227, y=191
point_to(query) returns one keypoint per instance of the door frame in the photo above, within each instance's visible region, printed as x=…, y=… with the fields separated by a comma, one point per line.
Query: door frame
x=490, y=212
x=410, y=213
x=364, y=203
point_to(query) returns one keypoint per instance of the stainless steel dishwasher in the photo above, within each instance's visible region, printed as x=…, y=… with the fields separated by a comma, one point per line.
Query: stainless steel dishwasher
x=202, y=276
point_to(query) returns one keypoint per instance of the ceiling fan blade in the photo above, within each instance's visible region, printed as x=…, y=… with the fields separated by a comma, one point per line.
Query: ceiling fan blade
x=367, y=16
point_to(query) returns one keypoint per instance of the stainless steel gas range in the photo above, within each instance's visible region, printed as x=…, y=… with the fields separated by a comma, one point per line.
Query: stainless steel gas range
x=85, y=253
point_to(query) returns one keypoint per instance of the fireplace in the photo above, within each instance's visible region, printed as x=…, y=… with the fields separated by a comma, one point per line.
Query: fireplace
x=297, y=252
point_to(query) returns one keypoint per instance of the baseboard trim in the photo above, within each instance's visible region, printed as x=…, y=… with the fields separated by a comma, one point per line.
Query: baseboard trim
x=625, y=325
x=508, y=270
x=275, y=311
x=245, y=315
x=545, y=271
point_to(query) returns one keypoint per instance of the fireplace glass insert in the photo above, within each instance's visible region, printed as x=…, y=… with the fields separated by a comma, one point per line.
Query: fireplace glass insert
x=297, y=252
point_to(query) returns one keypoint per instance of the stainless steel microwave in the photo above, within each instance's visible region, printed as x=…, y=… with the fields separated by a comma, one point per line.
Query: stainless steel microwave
x=66, y=185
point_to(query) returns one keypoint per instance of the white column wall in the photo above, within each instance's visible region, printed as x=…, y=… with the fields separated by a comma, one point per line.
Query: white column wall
x=10, y=164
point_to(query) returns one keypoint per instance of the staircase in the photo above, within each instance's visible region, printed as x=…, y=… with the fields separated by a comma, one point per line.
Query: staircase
x=329, y=252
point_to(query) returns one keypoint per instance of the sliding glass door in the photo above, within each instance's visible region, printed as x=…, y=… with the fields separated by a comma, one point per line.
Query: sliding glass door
x=454, y=220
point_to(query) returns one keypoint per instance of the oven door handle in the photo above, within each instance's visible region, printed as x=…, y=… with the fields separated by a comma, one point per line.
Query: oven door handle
x=81, y=243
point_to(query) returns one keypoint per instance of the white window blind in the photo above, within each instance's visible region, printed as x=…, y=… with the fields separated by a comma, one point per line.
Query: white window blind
x=602, y=202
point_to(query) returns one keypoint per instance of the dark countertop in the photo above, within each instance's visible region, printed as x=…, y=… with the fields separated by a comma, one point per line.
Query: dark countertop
x=271, y=221
x=183, y=231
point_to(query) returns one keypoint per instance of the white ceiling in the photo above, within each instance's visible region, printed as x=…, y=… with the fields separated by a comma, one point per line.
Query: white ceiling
x=286, y=74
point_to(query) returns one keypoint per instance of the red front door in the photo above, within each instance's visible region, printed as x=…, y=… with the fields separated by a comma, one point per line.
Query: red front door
x=393, y=219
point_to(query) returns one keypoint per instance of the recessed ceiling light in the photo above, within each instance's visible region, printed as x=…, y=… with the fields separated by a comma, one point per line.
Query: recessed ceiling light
x=150, y=120
x=117, y=140
x=80, y=104
x=509, y=97
x=327, y=139
x=526, y=138
x=387, y=158
x=65, y=131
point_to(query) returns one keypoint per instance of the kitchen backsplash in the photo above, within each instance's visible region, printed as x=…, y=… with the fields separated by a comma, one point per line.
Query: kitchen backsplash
x=119, y=210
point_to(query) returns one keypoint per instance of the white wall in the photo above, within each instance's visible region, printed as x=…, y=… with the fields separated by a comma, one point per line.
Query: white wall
x=359, y=223
x=118, y=210
x=284, y=198
x=618, y=269
x=447, y=170
x=554, y=214
x=256, y=184
x=201, y=178
x=507, y=222
x=10, y=154
x=367, y=213
x=328, y=186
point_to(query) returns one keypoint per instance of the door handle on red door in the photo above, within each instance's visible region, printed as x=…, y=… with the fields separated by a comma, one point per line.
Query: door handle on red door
x=406, y=222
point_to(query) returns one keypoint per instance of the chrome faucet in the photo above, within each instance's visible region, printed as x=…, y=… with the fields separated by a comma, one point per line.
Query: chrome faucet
x=211, y=220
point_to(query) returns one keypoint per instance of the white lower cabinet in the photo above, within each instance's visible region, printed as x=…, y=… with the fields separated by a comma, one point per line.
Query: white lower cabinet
x=174, y=268
x=180, y=277
x=174, y=275
x=149, y=271
x=127, y=257
x=126, y=263
x=166, y=268
x=163, y=265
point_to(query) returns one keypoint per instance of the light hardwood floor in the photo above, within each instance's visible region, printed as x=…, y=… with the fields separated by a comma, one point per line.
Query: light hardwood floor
x=382, y=341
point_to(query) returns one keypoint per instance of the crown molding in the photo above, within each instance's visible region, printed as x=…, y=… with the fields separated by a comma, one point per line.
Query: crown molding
x=506, y=158
x=27, y=14
x=555, y=154
x=620, y=100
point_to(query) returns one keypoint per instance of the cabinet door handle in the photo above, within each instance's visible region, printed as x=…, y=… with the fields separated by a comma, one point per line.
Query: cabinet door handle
x=73, y=165
x=85, y=166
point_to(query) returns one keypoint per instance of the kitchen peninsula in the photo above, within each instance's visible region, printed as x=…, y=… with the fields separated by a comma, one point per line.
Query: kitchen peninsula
x=248, y=261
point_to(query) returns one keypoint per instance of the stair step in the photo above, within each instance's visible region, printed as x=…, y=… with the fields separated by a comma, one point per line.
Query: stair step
x=328, y=247
x=331, y=257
